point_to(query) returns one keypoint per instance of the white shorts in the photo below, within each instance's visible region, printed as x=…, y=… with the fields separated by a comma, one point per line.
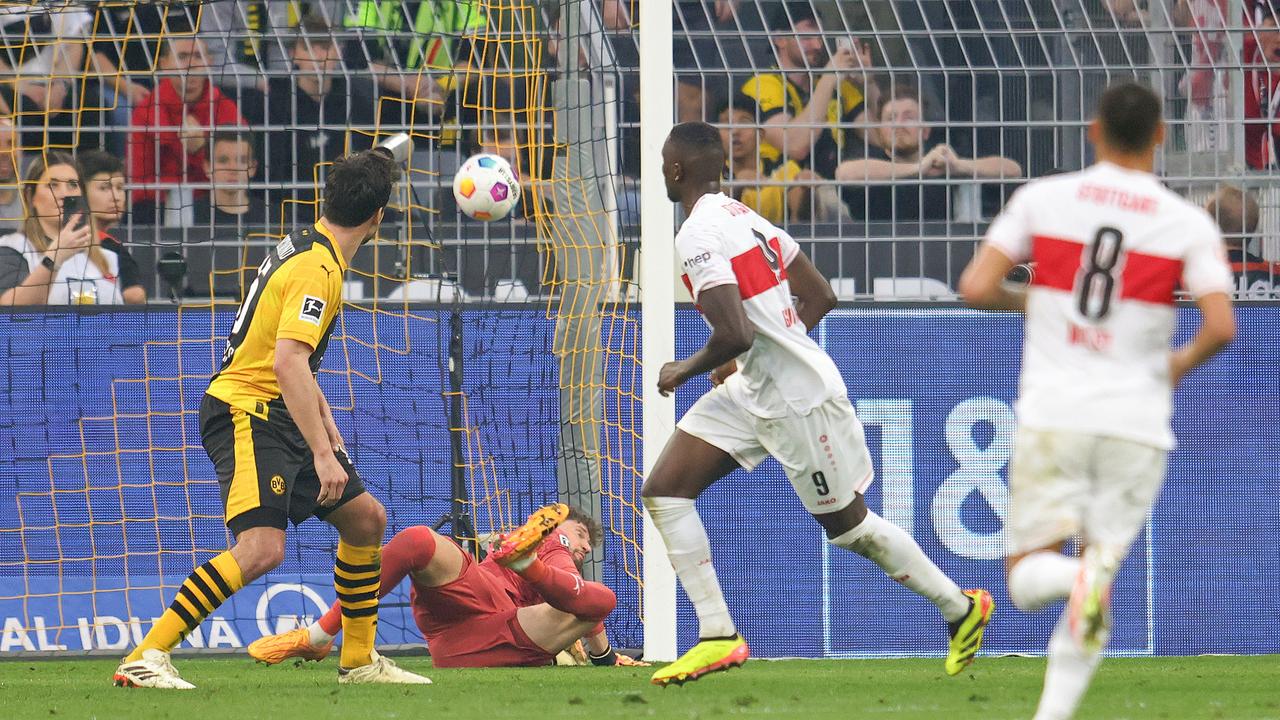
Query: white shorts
x=824, y=452
x=1064, y=483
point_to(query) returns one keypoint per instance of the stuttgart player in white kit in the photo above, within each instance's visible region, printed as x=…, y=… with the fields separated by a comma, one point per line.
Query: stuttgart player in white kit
x=780, y=395
x=1110, y=247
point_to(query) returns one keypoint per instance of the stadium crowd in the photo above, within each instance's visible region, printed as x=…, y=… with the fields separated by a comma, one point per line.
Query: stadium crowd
x=223, y=116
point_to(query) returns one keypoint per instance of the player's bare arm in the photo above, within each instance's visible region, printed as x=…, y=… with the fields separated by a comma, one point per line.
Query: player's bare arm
x=983, y=286
x=731, y=335
x=301, y=395
x=330, y=425
x=813, y=295
x=1217, y=330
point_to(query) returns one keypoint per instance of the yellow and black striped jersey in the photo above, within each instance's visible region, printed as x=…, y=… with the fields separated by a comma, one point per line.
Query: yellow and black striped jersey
x=774, y=93
x=297, y=294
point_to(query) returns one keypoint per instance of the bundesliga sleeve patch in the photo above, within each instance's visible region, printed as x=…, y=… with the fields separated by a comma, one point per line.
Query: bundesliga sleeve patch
x=564, y=540
x=312, y=309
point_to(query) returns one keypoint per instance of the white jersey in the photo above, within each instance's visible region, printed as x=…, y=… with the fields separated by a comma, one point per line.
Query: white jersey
x=1110, y=247
x=724, y=242
x=79, y=281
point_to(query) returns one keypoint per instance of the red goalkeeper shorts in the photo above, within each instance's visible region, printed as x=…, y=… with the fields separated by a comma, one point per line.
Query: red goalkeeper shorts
x=471, y=622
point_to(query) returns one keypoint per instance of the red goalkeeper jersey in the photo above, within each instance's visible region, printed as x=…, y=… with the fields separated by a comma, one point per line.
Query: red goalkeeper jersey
x=486, y=588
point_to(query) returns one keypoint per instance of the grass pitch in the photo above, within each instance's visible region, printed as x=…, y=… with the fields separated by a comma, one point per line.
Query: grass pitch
x=1234, y=688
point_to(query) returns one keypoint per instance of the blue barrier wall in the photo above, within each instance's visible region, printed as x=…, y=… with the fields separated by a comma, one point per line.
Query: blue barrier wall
x=105, y=490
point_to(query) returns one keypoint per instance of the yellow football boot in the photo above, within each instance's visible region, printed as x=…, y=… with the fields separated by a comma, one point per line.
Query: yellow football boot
x=966, y=633
x=707, y=656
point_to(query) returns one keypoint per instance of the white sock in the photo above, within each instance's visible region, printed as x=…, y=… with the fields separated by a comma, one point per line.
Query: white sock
x=897, y=553
x=1040, y=578
x=1067, y=677
x=318, y=635
x=690, y=553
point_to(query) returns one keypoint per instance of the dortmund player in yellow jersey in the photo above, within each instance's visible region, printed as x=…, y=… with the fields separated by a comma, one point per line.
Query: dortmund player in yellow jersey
x=271, y=436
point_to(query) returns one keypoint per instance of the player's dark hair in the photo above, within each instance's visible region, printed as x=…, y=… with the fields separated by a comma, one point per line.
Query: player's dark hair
x=96, y=162
x=595, y=532
x=700, y=149
x=791, y=13
x=1130, y=115
x=358, y=186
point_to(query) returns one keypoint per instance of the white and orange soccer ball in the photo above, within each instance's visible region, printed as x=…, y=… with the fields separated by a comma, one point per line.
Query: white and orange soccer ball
x=486, y=187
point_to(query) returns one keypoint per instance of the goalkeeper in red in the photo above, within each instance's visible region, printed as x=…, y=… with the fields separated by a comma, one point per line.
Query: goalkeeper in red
x=781, y=395
x=524, y=604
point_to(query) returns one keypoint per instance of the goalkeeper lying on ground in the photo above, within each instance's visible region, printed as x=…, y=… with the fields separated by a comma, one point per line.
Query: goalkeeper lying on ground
x=524, y=604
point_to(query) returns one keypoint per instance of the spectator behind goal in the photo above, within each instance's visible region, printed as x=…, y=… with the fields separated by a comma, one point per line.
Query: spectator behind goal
x=414, y=58
x=886, y=185
x=231, y=165
x=102, y=182
x=169, y=133
x=55, y=260
x=1237, y=214
x=313, y=111
x=780, y=192
x=808, y=88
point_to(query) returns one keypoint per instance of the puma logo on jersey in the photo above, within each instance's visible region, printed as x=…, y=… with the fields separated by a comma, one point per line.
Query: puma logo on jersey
x=312, y=310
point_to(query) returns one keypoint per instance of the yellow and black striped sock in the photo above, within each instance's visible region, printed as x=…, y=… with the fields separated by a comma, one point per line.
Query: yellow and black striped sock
x=357, y=578
x=201, y=593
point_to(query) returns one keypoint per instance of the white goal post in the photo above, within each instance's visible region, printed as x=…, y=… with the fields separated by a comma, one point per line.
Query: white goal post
x=657, y=287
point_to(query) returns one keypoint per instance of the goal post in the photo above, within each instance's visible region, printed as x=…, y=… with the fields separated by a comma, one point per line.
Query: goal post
x=657, y=283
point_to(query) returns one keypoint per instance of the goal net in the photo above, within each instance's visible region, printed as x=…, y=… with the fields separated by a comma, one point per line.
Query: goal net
x=478, y=371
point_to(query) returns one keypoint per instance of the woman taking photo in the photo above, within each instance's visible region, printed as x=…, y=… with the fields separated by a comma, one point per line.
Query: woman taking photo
x=57, y=258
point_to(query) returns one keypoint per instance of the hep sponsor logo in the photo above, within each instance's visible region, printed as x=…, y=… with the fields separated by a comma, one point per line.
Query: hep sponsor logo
x=696, y=260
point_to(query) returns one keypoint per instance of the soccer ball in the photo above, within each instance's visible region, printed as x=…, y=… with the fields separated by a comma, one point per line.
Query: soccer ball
x=486, y=187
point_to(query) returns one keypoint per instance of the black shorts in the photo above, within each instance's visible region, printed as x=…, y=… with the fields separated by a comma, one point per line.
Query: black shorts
x=265, y=469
